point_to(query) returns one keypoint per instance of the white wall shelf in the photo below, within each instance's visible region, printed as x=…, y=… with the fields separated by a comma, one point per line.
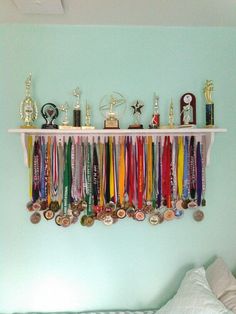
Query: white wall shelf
x=209, y=133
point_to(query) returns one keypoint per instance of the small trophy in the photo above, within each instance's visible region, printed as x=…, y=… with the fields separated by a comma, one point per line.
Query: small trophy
x=188, y=110
x=137, y=106
x=77, y=111
x=110, y=103
x=155, y=123
x=49, y=112
x=171, y=124
x=65, y=121
x=88, y=125
x=28, y=107
x=209, y=104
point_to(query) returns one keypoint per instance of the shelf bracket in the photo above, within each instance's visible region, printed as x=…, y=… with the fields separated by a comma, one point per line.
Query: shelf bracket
x=209, y=142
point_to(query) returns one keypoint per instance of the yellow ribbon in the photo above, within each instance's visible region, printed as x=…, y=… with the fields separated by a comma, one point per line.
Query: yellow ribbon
x=121, y=182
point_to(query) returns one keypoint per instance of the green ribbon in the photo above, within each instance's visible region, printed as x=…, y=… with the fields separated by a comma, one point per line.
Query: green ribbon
x=67, y=177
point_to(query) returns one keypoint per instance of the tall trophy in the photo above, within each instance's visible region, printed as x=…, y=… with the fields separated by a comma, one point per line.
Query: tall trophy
x=65, y=121
x=188, y=110
x=137, y=106
x=171, y=115
x=155, y=122
x=77, y=111
x=112, y=106
x=49, y=112
x=208, y=89
x=88, y=125
x=28, y=107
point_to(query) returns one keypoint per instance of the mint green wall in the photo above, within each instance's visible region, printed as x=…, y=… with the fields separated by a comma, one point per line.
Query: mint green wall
x=129, y=265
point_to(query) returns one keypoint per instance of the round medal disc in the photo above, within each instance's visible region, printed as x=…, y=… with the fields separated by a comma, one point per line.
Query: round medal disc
x=198, y=215
x=35, y=218
x=48, y=214
x=192, y=204
x=74, y=219
x=154, y=219
x=36, y=206
x=121, y=213
x=89, y=221
x=44, y=204
x=65, y=221
x=58, y=219
x=130, y=212
x=29, y=206
x=54, y=206
x=83, y=220
x=75, y=212
x=139, y=215
x=108, y=220
x=179, y=204
x=169, y=214
x=185, y=204
x=84, y=205
x=179, y=213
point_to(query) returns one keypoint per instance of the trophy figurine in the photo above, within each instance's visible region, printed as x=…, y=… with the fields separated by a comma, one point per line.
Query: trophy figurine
x=88, y=125
x=188, y=110
x=65, y=121
x=28, y=107
x=137, y=106
x=77, y=111
x=171, y=115
x=108, y=105
x=155, y=123
x=49, y=112
x=209, y=103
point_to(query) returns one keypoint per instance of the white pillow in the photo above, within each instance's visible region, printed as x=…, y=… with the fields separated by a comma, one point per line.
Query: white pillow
x=194, y=296
x=222, y=283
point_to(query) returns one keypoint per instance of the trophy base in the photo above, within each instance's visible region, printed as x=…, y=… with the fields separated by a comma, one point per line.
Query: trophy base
x=111, y=124
x=168, y=127
x=210, y=126
x=135, y=126
x=28, y=127
x=88, y=127
x=49, y=126
x=187, y=126
x=65, y=127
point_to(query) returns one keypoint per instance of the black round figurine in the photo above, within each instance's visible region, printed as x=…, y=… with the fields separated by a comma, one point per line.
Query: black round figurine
x=49, y=112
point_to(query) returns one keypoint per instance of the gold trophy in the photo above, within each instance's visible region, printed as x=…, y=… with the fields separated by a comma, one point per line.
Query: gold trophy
x=171, y=115
x=28, y=107
x=108, y=104
x=88, y=125
x=208, y=89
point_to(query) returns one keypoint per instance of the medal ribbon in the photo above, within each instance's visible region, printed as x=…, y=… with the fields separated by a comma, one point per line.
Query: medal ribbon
x=159, y=197
x=111, y=179
x=95, y=175
x=55, y=169
x=174, y=174
x=166, y=162
x=149, y=168
x=192, y=168
x=121, y=182
x=101, y=175
x=36, y=171
x=107, y=173
x=199, y=174
x=67, y=177
x=42, y=169
x=48, y=167
x=30, y=164
x=140, y=172
x=130, y=171
x=186, y=170
x=89, y=181
x=180, y=170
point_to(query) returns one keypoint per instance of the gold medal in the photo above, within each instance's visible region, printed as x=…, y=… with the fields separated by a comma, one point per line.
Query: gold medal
x=58, y=219
x=121, y=213
x=169, y=214
x=65, y=221
x=35, y=218
x=83, y=220
x=198, y=215
x=49, y=214
x=89, y=221
x=54, y=206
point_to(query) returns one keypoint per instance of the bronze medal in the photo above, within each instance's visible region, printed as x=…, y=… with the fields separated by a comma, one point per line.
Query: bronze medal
x=35, y=218
x=192, y=204
x=198, y=215
x=49, y=214
x=139, y=215
x=29, y=206
x=179, y=204
x=169, y=214
x=44, y=204
x=58, y=219
x=36, y=206
x=65, y=221
x=54, y=206
x=74, y=205
x=185, y=204
x=121, y=213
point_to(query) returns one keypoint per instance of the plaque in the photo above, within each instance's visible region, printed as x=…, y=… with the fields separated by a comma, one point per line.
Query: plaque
x=209, y=104
x=28, y=107
x=137, y=112
x=188, y=110
x=49, y=112
x=112, y=106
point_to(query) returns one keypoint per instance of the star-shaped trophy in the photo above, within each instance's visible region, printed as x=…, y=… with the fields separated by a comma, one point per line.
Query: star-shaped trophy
x=137, y=106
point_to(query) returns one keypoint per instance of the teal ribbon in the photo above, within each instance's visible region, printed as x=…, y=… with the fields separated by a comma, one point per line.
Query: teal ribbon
x=67, y=177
